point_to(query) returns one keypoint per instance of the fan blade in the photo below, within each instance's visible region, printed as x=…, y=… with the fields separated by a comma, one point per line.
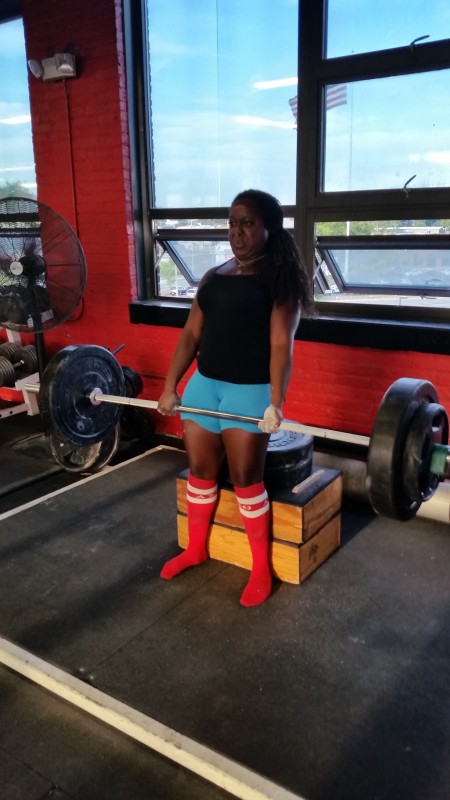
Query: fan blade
x=42, y=266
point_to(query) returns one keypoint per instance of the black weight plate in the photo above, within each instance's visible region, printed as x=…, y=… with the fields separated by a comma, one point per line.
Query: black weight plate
x=68, y=380
x=133, y=382
x=73, y=457
x=26, y=357
x=108, y=449
x=281, y=477
x=288, y=460
x=387, y=447
x=8, y=349
x=7, y=372
x=429, y=427
x=127, y=423
x=137, y=423
x=287, y=448
x=145, y=426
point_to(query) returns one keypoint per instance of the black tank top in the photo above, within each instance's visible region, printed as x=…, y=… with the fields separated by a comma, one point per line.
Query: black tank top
x=235, y=341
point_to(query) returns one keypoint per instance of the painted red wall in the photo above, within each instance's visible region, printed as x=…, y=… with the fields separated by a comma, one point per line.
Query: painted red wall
x=83, y=172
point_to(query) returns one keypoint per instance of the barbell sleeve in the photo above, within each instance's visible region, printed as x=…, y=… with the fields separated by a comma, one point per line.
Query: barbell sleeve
x=31, y=388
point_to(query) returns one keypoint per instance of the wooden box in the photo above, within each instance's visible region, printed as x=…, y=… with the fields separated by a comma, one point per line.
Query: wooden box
x=305, y=525
x=297, y=513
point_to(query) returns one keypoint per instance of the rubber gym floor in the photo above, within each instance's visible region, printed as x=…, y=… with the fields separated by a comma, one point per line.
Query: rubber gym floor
x=334, y=689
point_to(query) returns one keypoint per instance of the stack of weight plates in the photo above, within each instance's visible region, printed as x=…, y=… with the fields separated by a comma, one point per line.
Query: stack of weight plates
x=289, y=459
x=16, y=362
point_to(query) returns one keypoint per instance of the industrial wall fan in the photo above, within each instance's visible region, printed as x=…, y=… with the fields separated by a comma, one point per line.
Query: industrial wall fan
x=42, y=269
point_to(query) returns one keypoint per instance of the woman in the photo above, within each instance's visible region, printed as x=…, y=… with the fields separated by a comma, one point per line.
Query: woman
x=241, y=329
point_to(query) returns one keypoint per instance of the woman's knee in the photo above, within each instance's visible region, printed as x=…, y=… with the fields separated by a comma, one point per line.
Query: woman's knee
x=243, y=478
x=204, y=451
x=246, y=459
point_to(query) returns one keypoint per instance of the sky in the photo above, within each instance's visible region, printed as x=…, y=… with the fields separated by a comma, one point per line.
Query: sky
x=358, y=26
x=222, y=75
x=16, y=150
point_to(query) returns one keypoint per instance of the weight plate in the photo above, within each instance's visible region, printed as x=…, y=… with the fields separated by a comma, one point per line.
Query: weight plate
x=288, y=440
x=137, y=423
x=8, y=349
x=429, y=427
x=280, y=477
x=387, y=447
x=25, y=359
x=73, y=457
x=68, y=380
x=145, y=426
x=7, y=372
x=133, y=382
x=288, y=460
x=108, y=449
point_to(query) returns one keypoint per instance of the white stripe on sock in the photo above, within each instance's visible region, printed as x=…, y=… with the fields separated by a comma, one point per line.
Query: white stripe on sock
x=246, y=512
x=202, y=500
x=201, y=496
x=251, y=501
x=195, y=490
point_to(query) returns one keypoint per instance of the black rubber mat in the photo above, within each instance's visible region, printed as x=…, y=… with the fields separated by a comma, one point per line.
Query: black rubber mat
x=19, y=469
x=337, y=688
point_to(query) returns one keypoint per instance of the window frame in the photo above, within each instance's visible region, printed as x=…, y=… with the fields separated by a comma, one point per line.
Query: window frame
x=315, y=205
x=10, y=9
x=312, y=204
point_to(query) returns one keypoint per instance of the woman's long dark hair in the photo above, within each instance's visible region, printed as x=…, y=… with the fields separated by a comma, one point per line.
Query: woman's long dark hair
x=283, y=270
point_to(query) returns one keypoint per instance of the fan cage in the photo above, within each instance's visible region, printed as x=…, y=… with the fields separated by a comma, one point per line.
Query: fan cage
x=42, y=266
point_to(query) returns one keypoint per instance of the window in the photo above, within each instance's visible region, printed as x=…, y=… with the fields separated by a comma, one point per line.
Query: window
x=353, y=27
x=17, y=171
x=341, y=112
x=377, y=169
x=183, y=256
x=378, y=136
x=220, y=115
x=218, y=79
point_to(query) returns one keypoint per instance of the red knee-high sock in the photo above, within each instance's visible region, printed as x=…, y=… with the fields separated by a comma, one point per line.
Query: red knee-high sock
x=255, y=511
x=201, y=501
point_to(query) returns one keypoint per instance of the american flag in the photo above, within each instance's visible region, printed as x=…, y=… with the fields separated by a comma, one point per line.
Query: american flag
x=336, y=94
x=293, y=105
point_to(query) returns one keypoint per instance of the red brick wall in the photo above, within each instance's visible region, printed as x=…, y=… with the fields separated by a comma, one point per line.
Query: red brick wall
x=83, y=172
x=82, y=160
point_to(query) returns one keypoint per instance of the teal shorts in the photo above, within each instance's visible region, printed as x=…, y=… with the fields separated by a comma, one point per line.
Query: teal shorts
x=244, y=399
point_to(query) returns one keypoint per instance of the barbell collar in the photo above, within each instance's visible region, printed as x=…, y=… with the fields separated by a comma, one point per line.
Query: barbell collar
x=440, y=461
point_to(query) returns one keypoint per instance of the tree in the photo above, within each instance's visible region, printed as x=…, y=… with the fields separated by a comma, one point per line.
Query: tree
x=15, y=189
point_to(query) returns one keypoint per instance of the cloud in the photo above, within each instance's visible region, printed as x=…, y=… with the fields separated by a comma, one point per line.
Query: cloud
x=17, y=120
x=438, y=157
x=276, y=83
x=262, y=122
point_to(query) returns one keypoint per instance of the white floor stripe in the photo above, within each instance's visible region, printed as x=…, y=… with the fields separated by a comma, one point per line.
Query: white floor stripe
x=213, y=767
x=81, y=482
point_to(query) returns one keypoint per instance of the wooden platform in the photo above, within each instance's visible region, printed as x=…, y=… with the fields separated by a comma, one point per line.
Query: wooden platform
x=305, y=525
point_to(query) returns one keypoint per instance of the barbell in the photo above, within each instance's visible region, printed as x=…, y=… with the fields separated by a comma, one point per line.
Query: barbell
x=82, y=394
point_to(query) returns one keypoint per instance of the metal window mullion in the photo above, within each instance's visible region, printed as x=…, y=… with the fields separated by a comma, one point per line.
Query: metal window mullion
x=384, y=63
x=179, y=263
x=309, y=127
x=141, y=156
